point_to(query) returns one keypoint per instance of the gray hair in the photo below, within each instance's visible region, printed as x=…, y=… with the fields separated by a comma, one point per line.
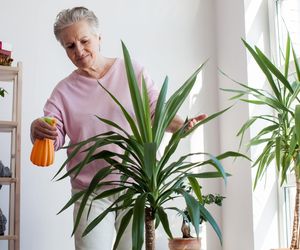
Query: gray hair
x=67, y=17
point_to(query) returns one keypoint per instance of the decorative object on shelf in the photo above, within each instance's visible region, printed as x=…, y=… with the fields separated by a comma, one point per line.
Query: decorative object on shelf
x=2, y=92
x=5, y=54
x=4, y=171
x=5, y=60
x=3, y=221
x=42, y=153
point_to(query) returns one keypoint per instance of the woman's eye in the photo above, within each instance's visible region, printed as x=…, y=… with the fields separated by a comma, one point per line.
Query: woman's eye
x=71, y=46
x=84, y=41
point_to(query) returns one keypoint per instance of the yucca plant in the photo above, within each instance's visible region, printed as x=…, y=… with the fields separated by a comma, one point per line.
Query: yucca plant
x=147, y=182
x=280, y=137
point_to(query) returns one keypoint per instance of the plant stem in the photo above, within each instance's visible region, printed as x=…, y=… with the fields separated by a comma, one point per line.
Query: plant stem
x=295, y=232
x=150, y=229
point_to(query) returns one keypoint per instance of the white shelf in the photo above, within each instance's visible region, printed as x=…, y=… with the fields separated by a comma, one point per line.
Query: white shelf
x=8, y=237
x=7, y=180
x=13, y=75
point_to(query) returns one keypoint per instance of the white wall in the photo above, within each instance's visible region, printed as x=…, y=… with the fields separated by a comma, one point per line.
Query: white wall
x=249, y=219
x=168, y=37
x=237, y=208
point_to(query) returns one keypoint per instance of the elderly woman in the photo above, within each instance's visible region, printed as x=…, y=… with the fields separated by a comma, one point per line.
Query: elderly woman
x=75, y=101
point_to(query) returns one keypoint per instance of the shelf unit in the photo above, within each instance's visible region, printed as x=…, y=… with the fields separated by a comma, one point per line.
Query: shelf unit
x=13, y=75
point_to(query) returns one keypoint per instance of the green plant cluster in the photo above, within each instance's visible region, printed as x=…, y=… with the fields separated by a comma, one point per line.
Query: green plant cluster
x=280, y=138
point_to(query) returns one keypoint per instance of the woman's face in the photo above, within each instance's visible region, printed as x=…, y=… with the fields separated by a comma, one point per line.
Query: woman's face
x=81, y=45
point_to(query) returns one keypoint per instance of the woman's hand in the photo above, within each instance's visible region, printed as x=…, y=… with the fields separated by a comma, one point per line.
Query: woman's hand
x=192, y=122
x=41, y=129
x=177, y=123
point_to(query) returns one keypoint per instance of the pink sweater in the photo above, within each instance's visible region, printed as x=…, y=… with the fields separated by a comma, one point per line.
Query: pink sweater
x=76, y=100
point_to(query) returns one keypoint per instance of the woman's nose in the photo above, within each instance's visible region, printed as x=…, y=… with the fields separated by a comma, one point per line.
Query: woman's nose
x=78, y=49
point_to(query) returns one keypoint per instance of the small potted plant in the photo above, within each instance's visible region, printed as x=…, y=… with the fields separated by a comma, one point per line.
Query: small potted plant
x=146, y=181
x=187, y=241
x=280, y=137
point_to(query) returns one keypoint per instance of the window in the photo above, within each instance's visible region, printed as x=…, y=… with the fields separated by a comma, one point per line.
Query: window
x=288, y=18
x=285, y=18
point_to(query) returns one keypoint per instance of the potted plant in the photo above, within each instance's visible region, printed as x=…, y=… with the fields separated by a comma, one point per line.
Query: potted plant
x=147, y=182
x=2, y=92
x=280, y=137
x=187, y=241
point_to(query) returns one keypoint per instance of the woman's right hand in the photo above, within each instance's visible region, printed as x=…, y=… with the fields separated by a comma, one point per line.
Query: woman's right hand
x=41, y=129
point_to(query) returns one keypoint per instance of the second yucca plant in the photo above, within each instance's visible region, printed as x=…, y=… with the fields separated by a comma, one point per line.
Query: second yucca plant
x=280, y=137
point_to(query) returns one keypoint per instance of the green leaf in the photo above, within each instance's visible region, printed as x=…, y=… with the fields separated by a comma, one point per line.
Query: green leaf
x=297, y=122
x=193, y=207
x=207, y=119
x=73, y=199
x=207, y=216
x=129, y=119
x=98, y=177
x=113, y=207
x=231, y=154
x=158, y=128
x=176, y=100
x=134, y=93
x=138, y=222
x=196, y=188
x=147, y=114
x=123, y=225
x=293, y=143
x=206, y=175
x=263, y=67
x=274, y=70
x=278, y=151
x=219, y=167
x=287, y=57
x=164, y=221
x=150, y=159
x=296, y=64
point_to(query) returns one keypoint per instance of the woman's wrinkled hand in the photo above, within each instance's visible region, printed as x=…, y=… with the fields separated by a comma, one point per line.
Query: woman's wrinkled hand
x=41, y=129
x=192, y=122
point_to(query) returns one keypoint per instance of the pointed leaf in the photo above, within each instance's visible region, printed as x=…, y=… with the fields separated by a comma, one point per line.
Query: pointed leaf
x=297, y=122
x=123, y=225
x=207, y=216
x=196, y=188
x=138, y=222
x=164, y=221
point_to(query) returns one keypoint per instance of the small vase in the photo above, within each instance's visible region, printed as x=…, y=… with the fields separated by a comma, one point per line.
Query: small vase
x=185, y=244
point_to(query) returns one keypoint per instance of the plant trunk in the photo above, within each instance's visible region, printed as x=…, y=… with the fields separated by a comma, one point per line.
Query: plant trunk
x=150, y=229
x=296, y=232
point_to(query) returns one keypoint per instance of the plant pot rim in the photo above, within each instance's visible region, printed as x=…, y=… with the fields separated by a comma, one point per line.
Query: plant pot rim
x=185, y=239
x=285, y=248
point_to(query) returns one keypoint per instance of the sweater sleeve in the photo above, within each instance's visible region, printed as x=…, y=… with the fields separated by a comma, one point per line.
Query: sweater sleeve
x=53, y=108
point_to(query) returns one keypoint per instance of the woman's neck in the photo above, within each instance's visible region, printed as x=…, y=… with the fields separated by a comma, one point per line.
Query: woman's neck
x=102, y=67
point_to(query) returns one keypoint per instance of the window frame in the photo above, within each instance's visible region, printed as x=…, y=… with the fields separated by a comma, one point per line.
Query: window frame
x=276, y=40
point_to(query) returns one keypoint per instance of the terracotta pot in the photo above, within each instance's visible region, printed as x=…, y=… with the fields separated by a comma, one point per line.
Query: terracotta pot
x=283, y=249
x=185, y=244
